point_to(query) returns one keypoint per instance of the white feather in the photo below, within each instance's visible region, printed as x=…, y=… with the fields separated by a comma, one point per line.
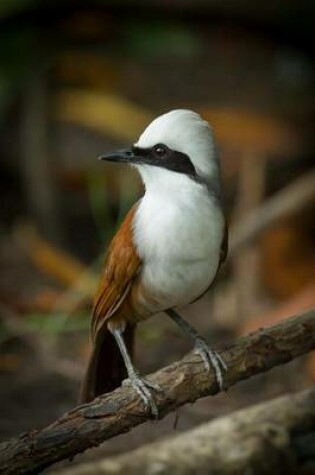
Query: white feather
x=179, y=225
x=184, y=131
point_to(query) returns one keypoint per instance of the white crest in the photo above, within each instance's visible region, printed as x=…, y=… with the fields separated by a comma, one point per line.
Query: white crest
x=184, y=131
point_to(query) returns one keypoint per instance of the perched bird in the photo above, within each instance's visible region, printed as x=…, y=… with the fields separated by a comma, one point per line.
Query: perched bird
x=166, y=252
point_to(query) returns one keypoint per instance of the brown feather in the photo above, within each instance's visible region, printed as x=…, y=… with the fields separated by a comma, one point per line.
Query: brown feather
x=122, y=265
x=117, y=305
x=106, y=369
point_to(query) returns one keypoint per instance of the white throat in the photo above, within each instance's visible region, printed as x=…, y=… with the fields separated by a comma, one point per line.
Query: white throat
x=159, y=181
x=178, y=231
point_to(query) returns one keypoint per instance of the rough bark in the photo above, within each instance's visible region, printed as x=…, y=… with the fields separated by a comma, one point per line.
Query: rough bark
x=276, y=437
x=184, y=381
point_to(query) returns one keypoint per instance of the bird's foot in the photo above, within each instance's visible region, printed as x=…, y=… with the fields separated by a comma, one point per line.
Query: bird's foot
x=143, y=389
x=211, y=358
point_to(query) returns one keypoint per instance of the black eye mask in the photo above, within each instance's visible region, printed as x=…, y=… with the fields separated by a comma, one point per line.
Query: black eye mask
x=159, y=156
x=163, y=157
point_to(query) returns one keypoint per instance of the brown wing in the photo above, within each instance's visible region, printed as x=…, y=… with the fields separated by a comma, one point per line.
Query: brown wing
x=122, y=265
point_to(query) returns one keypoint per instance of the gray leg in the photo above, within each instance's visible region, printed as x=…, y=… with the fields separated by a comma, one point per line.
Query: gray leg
x=208, y=356
x=141, y=386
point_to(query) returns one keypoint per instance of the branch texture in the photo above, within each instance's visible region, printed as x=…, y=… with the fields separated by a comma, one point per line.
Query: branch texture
x=273, y=438
x=184, y=381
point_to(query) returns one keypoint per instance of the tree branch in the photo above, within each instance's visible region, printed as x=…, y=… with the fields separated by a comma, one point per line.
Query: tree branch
x=274, y=437
x=184, y=381
x=286, y=202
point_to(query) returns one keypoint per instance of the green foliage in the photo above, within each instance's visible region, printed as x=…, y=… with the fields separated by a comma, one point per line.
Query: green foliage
x=99, y=204
x=55, y=323
x=156, y=38
x=9, y=7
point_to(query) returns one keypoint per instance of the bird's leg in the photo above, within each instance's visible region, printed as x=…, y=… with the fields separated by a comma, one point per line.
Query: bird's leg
x=140, y=385
x=208, y=356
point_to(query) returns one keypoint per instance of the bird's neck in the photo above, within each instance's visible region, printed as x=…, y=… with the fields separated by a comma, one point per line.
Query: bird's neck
x=161, y=182
x=171, y=196
x=177, y=216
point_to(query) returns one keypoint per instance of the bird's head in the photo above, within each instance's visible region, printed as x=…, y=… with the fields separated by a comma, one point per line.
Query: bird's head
x=175, y=145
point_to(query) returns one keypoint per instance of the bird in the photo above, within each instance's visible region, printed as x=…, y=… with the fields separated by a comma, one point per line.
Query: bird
x=165, y=255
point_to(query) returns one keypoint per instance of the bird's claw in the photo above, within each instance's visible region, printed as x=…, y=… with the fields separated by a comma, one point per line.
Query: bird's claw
x=142, y=387
x=211, y=358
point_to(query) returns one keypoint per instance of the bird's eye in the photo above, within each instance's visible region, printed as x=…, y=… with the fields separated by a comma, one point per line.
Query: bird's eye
x=160, y=150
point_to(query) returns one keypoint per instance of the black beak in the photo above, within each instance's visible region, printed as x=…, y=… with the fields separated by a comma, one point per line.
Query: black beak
x=120, y=156
x=174, y=161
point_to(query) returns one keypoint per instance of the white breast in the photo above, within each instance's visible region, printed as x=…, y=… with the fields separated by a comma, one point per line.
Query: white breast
x=178, y=233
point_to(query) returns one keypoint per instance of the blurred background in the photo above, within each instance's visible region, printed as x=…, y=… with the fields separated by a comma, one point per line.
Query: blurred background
x=77, y=80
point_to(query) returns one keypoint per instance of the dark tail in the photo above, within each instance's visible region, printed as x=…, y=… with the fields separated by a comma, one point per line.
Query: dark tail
x=106, y=369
